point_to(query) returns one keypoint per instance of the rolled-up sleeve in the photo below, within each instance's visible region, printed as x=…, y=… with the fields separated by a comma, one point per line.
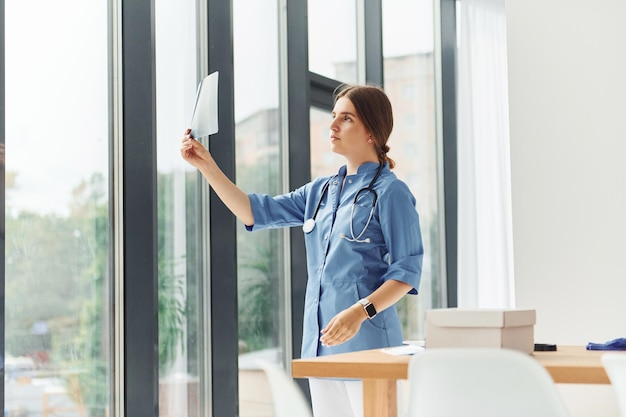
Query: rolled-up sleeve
x=400, y=225
x=285, y=210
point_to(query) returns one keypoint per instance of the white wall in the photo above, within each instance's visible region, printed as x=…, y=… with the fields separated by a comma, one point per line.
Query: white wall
x=567, y=87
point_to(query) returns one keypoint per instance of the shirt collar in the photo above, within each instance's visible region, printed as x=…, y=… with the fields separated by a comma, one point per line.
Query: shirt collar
x=363, y=169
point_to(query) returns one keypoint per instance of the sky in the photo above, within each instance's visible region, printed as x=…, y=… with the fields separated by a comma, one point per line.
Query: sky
x=56, y=99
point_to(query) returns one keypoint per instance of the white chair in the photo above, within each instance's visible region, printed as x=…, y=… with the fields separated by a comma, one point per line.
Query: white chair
x=615, y=365
x=480, y=382
x=289, y=401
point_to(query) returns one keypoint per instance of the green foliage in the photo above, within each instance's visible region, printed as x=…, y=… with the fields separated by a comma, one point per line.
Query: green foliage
x=257, y=293
x=42, y=269
x=259, y=268
x=171, y=314
x=171, y=285
x=58, y=273
x=91, y=382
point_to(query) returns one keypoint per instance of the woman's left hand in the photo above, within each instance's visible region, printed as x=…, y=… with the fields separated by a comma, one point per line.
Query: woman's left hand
x=343, y=326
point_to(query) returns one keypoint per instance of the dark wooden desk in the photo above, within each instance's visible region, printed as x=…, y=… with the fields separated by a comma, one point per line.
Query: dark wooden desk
x=381, y=371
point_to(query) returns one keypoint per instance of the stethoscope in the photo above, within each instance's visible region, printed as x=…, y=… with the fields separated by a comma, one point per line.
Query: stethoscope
x=309, y=224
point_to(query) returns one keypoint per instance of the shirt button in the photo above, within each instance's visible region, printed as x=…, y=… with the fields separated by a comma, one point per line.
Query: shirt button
x=326, y=237
x=349, y=181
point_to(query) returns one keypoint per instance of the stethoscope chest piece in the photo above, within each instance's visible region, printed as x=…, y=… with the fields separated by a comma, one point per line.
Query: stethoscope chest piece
x=308, y=226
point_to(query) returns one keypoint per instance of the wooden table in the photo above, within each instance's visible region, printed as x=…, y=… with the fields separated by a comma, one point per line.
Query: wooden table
x=381, y=371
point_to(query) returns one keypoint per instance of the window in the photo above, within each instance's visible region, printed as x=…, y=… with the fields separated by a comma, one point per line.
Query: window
x=409, y=68
x=333, y=39
x=260, y=255
x=181, y=286
x=65, y=139
x=58, y=274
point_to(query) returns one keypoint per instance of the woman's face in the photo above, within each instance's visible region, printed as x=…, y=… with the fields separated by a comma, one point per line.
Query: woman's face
x=348, y=135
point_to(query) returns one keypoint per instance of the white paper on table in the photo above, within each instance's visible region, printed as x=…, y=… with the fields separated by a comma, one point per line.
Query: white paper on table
x=403, y=350
x=204, y=118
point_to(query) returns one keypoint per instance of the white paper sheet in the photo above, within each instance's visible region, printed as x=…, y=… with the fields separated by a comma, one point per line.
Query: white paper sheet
x=403, y=350
x=204, y=119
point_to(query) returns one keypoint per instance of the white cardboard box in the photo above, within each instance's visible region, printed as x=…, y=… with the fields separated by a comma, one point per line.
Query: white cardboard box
x=500, y=328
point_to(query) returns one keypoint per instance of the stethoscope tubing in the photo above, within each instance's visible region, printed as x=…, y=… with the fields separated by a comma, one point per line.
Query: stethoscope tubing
x=309, y=224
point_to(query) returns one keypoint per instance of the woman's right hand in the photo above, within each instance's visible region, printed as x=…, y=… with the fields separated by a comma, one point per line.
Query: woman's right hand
x=235, y=199
x=193, y=151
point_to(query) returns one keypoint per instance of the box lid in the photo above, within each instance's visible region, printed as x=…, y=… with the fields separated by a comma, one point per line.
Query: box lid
x=482, y=317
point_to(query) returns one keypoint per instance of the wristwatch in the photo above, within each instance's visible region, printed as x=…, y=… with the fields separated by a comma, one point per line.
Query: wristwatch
x=369, y=308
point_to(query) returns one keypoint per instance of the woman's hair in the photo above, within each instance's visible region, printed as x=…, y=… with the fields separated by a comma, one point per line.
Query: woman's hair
x=374, y=109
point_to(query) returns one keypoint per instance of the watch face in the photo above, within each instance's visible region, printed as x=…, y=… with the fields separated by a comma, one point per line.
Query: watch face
x=371, y=310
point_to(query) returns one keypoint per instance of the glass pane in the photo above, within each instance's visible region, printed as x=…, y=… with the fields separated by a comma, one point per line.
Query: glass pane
x=260, y=255
x=180, y=286
x=323, y=160
x=408, y=44
x=58, y=276
x=333, y=39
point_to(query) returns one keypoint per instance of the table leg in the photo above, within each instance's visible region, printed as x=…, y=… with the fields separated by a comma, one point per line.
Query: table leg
x=380, y=398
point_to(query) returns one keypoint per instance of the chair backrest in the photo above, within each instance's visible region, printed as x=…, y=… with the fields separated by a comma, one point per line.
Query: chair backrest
x=615, y=365
x=480, y=382
x=288, y=399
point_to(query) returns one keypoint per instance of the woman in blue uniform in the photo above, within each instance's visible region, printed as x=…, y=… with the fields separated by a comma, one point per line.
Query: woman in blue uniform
x=362, y=234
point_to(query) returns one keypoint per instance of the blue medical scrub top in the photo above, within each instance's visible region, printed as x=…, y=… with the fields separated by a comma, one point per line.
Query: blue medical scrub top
x=341, y=272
